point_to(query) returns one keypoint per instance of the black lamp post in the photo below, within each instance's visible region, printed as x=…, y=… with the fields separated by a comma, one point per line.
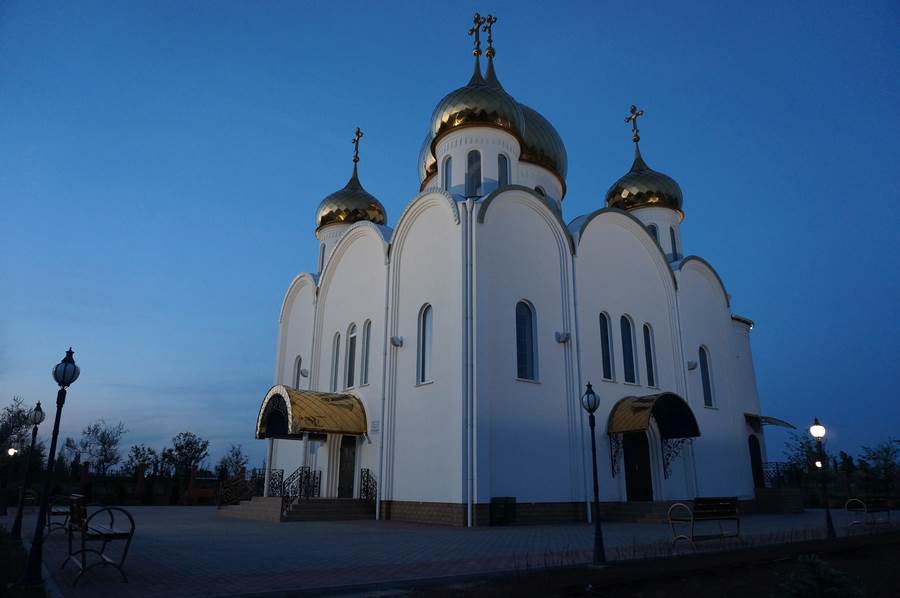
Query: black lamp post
x=65, y=373
x=590, y=401
x=817, y=430
x=34, y=418
x=6, y=480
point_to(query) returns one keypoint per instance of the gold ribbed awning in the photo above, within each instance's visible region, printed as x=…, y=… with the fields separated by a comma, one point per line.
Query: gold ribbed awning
x=673, y=416
x=287, y=412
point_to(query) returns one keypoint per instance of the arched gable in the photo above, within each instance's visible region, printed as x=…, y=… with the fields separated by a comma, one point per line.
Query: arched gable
x=547, y=209
x=359, y=230
x=301, y=281
x=581, y=225
x=701, y=265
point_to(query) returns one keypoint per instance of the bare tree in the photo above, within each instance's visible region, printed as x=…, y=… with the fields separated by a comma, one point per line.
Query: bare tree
x=101, y=441
x=232, y=463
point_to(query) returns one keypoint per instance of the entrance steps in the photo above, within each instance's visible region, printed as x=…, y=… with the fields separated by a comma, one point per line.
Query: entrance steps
x=637, y=512
x=330, y=509
x=257, y=509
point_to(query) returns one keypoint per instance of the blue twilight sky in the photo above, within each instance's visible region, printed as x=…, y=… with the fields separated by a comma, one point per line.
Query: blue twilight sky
x=161, y=163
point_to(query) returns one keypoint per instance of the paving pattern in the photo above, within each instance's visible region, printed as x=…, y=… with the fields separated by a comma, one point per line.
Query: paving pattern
x=190, y=551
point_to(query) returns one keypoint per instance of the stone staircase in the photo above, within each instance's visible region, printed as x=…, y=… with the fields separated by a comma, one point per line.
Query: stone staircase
x=312, y=509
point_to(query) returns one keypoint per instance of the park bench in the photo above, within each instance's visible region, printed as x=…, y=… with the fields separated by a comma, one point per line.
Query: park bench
x=683, y=519
x=58, y=509
x=106, y=526
x=868, y=511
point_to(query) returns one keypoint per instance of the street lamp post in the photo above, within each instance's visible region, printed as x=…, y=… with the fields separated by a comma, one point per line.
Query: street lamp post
x=65, y=373
x=35, y=418
x=6, y=482
x=817, y=431
x=590, y=401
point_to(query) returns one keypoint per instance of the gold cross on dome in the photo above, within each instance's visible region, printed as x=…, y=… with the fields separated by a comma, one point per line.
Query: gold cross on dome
x=633, y=118
x=488, y=26
x=477, y=22
x=356, y=137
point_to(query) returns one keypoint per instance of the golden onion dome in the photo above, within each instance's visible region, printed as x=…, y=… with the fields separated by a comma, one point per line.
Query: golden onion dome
x=427, y=163
x=476, y=103
x=643, y=187
x=542, y=144
x=350, y=204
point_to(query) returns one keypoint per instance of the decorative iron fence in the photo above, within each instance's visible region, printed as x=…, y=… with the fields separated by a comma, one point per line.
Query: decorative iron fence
x=782, y=475
x=303, y=483
x=368, y=487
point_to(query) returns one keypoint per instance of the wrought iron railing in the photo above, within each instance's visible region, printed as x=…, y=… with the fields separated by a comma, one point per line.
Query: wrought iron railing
x=303, y=483
x=276, y=482
x=368, y=487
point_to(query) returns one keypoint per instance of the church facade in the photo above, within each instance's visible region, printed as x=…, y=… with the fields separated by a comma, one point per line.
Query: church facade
x=438, y=363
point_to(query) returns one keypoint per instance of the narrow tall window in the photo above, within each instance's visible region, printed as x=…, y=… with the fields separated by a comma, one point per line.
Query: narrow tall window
x=653, y=232
x=674, y=243
x=448, y=168
x=628, y=350
x=350, y=368
x=335, y=361
x=502, y=170
x=366, y=341
x=704, y=375
x=473, y=174
x=298, y=365
x=423, y=368
x=649, y=355
x=605, y=347
x=540, y=191
x=321, y=256
x=525, y=362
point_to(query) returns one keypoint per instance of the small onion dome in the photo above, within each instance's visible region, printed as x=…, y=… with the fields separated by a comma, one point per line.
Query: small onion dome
x=477, y=103
x=643, y=187
x=427, y=163
x=350, y=204
x=542, y=144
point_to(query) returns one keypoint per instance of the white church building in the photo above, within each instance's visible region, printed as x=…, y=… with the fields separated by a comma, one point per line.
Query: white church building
x=435, y=361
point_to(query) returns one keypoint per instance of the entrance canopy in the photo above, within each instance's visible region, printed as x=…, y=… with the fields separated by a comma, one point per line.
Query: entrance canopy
x=287, y=413
x=673, y=416
x=758, y=421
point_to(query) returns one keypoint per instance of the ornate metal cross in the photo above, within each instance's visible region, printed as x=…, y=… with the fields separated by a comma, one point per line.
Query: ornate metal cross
x=356, y=137
x=488, y=26
x=633, y=118
x=477, y=22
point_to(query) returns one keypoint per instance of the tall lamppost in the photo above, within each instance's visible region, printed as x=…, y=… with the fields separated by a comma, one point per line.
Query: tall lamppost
x=65, y=373
x=34, y=418
x=590, y=401
x=6, y=479
x=817, y=430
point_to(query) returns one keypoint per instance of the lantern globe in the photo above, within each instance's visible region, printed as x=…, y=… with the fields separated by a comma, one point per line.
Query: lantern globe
x=589, y=400
x=66, y=372
x=817, y=430
x=11, y=452
x=37, y=415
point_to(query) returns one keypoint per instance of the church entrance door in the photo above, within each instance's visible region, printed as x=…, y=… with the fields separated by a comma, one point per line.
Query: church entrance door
x=759, y=479
x=638, y=483
x=347, y=468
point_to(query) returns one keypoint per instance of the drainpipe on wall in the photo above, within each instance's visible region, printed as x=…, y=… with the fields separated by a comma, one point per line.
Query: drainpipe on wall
x=581, y=427
x=469, y=362
x=384, y=358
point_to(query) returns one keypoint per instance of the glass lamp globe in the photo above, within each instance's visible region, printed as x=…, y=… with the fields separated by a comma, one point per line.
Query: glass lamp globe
x=66, y=372
x=817, y=430
x=589, y=400
x=36, y=416
x=819, y=464
x=11, y=452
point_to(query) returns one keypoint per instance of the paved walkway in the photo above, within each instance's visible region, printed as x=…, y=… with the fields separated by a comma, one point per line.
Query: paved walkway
x=190, y=551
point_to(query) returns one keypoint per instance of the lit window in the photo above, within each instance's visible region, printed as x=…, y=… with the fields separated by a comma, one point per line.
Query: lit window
x=335, y=360
x=704, y=375
x=525, y=326
x=653, y=232
x=628, y=350
x=649, y=355
x=473, y=174
x=351, y=357
x=366, y=341
x=605, y=347
x=502, y=170
x=423, y=373
x=448, y=167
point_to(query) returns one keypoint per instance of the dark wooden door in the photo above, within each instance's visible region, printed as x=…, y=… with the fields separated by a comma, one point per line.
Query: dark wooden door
x=347, y=469
x=759, y=480
x=638, y=483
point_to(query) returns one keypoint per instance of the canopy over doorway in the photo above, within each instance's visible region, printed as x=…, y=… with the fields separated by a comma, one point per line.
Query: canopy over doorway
x=288, y=413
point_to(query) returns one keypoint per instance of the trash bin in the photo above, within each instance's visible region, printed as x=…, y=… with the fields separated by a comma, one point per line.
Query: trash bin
x=503, y=510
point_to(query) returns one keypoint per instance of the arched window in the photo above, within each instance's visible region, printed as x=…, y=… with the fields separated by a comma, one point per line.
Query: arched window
x=540, y=191
x=704, y=375
x=298, y=364
x=366, y=341
x=423, y=367
x=674, y=243
x=448, y=173
x=473, y=174
x=606, y=347
x=649, y=355
x=321, y=256
x=335, y=360
x=526, y=368
x=628, y=350
x=653, y=232
x=350, y=368
x=502, y=170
